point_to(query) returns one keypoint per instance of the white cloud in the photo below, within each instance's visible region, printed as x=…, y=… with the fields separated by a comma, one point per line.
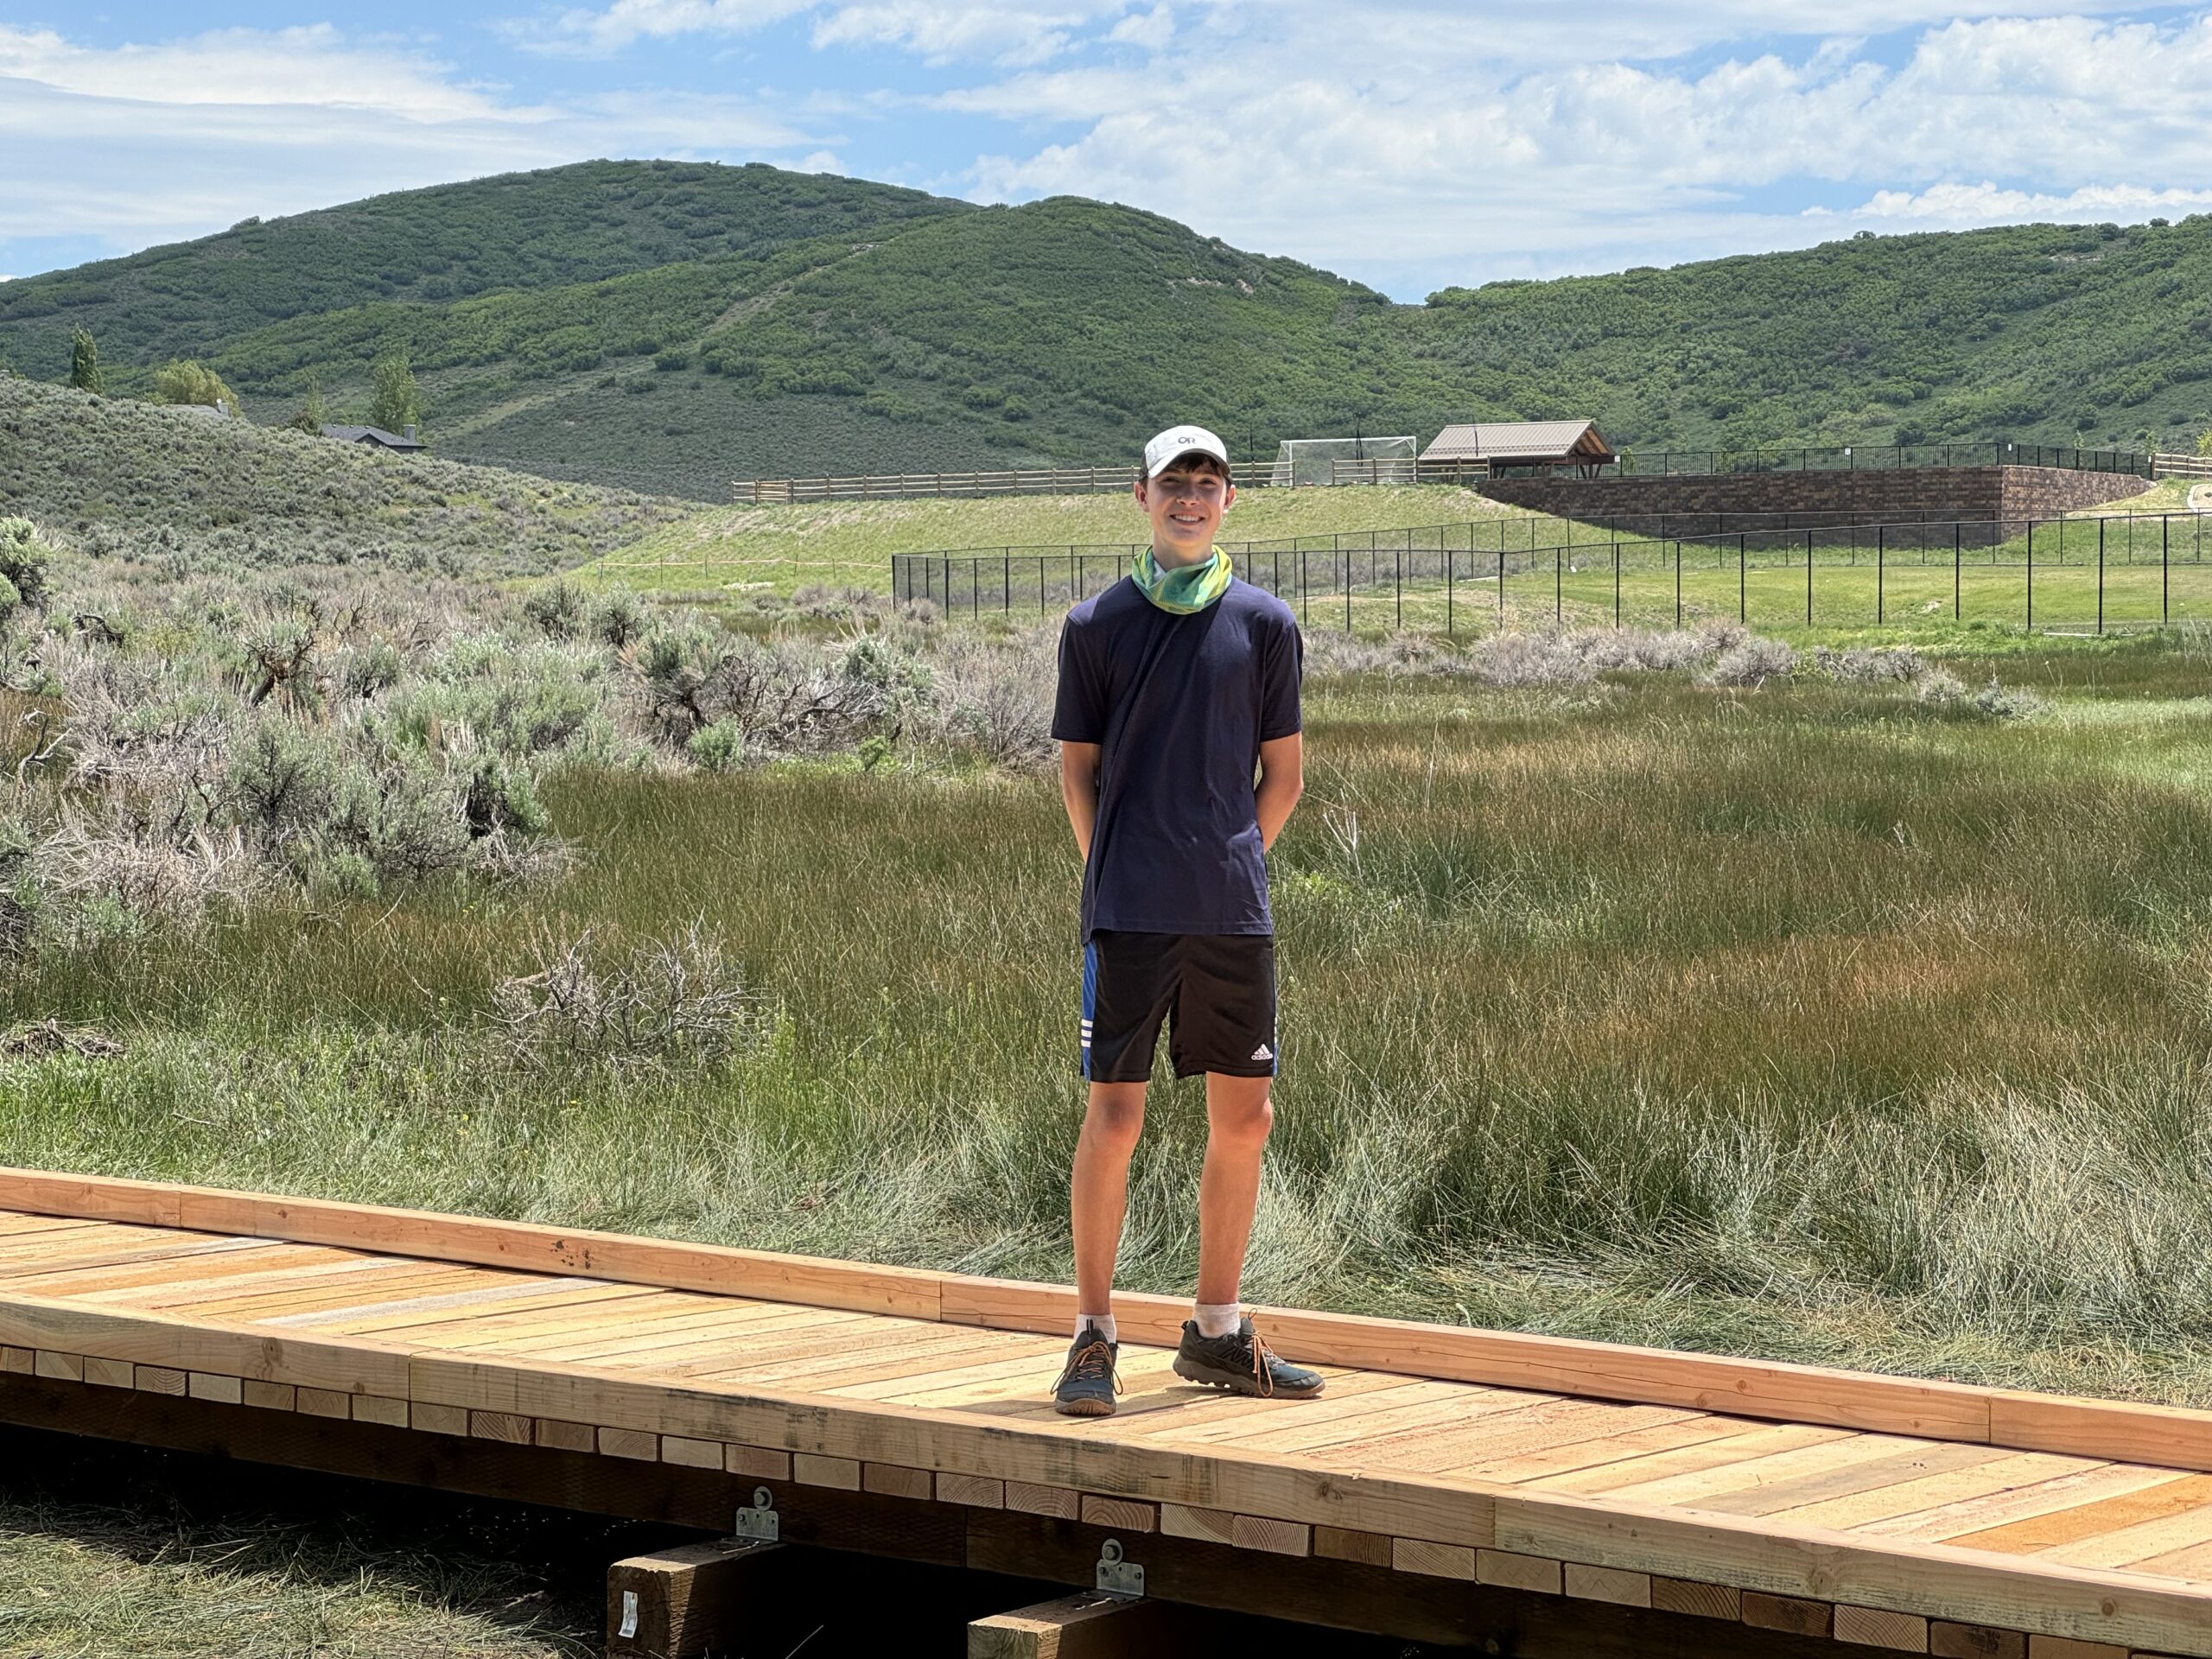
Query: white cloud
x=142, y=144
x=1431, y=154
x=821, y=161
x=941, y=31
x=1150, y=30
x=1951, y=207
x=628, y=21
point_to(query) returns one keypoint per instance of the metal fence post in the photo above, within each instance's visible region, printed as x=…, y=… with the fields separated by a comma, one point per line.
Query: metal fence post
x=1558, y=584
x=1617, y=581
x=2100, y=575
x=1501, y=589
x=1958, y=532
x=1881, y=571
x=1401, y=586
x=2165, y=547
x=2031, y=573
x=1678, y=585
x=1808, y=578
x=1447, y=580
x=1743, y=605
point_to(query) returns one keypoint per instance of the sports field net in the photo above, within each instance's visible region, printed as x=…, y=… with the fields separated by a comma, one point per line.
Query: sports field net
x=1301, y=462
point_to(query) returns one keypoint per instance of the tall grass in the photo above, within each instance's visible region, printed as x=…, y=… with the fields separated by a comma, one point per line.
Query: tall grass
x=1816, y=1019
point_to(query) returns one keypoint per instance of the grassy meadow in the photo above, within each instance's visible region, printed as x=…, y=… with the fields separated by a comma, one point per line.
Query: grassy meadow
x=777, y=550
x=1816, y=1017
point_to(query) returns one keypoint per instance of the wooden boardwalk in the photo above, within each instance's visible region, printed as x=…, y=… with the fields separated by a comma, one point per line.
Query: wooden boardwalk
x=1879, y=1511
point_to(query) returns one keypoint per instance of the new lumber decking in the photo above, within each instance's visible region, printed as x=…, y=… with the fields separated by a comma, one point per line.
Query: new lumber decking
x=1890, y=1513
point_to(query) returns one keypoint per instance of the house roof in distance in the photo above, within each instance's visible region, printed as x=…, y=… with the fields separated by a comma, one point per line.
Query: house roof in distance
x=1519, y=441
x=375, y=434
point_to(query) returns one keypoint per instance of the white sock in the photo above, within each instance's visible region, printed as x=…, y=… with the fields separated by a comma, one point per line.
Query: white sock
x=1219, y=1318
x=1104, y=1321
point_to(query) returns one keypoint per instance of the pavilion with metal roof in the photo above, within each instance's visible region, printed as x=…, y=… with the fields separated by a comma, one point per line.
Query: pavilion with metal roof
x=1493, y=448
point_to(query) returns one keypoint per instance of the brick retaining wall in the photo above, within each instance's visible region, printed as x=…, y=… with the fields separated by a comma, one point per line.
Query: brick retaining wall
x=1827, y=496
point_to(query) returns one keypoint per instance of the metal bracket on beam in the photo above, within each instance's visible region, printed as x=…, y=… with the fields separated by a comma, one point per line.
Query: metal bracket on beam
x=758, y=1524
x=1118, y=1577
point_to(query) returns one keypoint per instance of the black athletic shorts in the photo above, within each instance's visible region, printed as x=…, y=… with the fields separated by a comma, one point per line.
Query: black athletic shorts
x=1216, y=992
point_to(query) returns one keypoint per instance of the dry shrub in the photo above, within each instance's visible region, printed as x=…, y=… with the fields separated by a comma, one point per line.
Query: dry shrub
x=660, y=1002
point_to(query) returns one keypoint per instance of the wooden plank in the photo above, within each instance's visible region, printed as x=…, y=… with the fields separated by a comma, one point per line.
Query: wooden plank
x=206, y=1385
x=1795, y=1614
x=563, y=1437
x=269, y=1396
x=760, y=1462
x=107, y=1373
x=897, y=1481
x=507, y=1292
x=1696, y=1599
x=1607, y=1584
x=501, y=1425
x=1824, y=1458
x=1537, y=1574
x=1119, y=1514
x=971, y=1489
x=1275, y=1537
x=685, y=1602
x=1340, y=1544
x=69, y=1368
x=1085, y=1625
x=1950, y=1520
x=1947, y=1640
x=1027, y=1498
x=2004, y=1472
x=1877, y=1627
x=1188, y=1521
x=1932, y=1580
x=446, y=1420
x=321, y=1402
x=811, y=1469
x=2060, y=1526
x=692, y=1454
x=2127, y=1546
x=1859, y=1476
x=157, y=1379
x=1518, y=1467
x=162, y=1339
x=641, y=1445
x=1432, y=1559
x=488, y=1243
x=380, y=1409
x=1646, y=1468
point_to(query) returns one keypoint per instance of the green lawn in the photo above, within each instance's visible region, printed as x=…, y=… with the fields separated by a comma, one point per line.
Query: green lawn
x=778, y=549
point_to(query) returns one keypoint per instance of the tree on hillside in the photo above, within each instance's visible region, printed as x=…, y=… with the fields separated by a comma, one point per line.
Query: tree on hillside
x=83, y=361
x=190, y=382
x=2204, y=442
x=398, y=404
x=314, y=414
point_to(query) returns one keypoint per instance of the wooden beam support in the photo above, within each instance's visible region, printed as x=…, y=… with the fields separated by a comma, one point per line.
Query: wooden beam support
x=677, y=1604
x=1086, y=1626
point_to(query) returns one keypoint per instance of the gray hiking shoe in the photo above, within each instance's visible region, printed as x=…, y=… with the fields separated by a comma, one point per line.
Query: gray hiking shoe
x=1242, y=1362
x=1087, y=1387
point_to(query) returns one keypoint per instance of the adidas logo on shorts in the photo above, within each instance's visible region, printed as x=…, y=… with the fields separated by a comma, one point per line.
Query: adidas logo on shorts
x=1263, y=1052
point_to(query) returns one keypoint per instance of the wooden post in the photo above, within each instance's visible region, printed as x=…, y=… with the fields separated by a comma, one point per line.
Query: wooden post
x=1084, y=1626
x=677, y=1603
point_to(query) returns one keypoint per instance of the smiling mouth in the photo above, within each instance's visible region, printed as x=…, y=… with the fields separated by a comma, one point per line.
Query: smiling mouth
x=1186, y=519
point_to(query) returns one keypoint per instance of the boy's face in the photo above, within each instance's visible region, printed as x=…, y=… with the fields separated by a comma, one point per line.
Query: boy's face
x=1184, y=503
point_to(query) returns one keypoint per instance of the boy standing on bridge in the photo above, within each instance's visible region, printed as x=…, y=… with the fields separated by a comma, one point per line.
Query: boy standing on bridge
x=1176, y=686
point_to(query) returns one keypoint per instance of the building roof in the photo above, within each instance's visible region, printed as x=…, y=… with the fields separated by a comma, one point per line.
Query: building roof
x=375, y=434
x=1519, y=441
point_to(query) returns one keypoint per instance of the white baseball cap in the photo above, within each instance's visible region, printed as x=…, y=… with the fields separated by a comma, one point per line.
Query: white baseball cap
x=1177, y=441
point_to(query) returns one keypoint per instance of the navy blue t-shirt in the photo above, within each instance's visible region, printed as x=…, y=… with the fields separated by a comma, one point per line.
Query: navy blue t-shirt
x=1179, y=705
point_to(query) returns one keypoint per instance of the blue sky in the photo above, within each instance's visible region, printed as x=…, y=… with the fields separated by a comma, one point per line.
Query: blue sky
x=1409, y=145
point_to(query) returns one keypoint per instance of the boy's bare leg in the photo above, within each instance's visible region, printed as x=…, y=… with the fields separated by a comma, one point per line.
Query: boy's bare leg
x=1238, y=1115
x=1098, y=1191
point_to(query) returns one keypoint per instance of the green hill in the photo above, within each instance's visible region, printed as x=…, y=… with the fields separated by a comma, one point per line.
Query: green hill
x=671, y=326
x=108, y=475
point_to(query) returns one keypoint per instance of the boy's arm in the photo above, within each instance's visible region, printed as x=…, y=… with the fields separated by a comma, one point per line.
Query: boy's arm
x=1282, y=780
x=1079, y=790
